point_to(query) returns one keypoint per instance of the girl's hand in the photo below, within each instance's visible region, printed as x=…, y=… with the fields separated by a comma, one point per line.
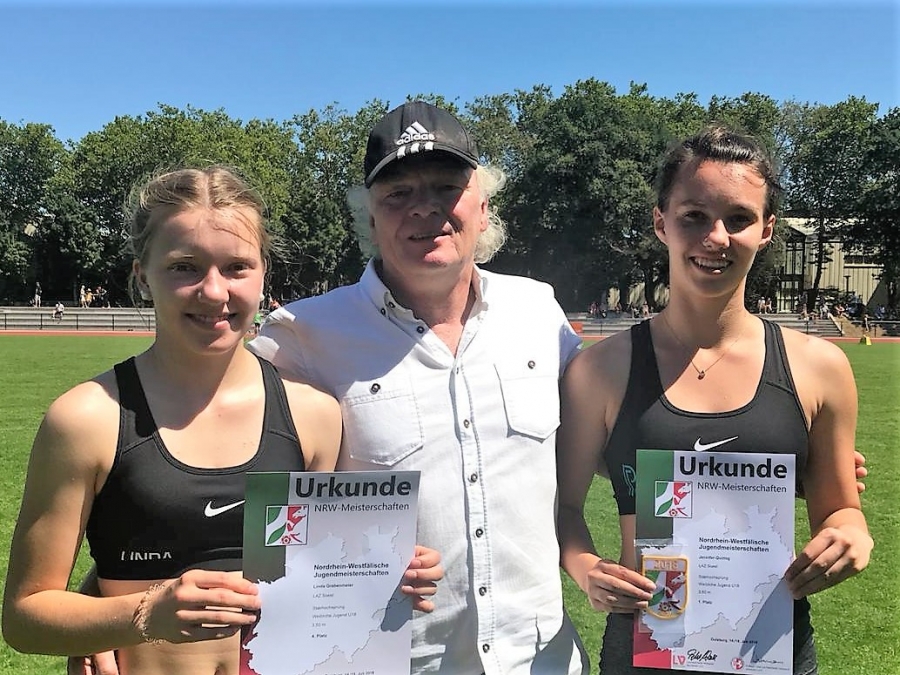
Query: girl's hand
x=614, y=588
x=200, y=605
x=833, y=555
x=421, y=577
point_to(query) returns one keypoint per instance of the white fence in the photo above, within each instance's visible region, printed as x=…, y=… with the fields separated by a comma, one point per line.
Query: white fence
x=76, y=319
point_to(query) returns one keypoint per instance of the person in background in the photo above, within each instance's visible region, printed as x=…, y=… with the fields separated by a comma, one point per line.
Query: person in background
x=864, y=317
x=257, y=321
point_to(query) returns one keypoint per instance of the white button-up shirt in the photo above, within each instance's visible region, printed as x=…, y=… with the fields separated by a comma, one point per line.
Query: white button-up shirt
x=480, y=426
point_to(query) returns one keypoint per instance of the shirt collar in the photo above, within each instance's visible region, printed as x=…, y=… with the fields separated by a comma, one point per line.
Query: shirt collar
x=382, y=298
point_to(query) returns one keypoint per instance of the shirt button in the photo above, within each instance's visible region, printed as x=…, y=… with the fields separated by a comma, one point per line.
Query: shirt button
x=485, y=648
x=479, y=532
x=375, y=388
x=482, y=591
x=420, y=329
x=531, y=365
x=473, y=477
x=466, y=423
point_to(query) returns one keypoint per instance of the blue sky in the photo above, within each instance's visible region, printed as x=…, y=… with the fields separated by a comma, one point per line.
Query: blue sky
x=77, y=65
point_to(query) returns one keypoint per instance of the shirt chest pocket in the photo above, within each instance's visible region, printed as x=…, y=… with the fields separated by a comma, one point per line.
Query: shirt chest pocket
x=381, y=420
x=530, y=396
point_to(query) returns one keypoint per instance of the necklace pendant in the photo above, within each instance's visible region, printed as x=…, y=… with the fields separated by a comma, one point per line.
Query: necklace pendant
x=701, y=374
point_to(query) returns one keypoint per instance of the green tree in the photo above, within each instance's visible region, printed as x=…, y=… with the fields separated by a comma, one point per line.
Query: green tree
x=560, y=205
x=314, y=242
x=107, y=163
x=751, y=113
x=877, y=229
x=321, y=249
x=30, y=157
x=581, y=204
x=825, y=170
x=505, y=128
x=67, y=244
x=652, y=124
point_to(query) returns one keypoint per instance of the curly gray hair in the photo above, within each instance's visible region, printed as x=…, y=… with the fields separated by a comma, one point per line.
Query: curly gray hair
x=491, y=180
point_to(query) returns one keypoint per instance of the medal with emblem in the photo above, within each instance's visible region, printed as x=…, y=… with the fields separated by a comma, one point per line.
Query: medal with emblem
x=670, y=574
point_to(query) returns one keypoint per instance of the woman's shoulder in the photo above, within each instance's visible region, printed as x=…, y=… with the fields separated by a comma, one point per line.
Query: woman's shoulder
x=605, y=365
x=87, y=400
x=813, y=351
x=317, y=418
x=84, y=420
x=819, y=367
x=307, y=397
x=604, y=353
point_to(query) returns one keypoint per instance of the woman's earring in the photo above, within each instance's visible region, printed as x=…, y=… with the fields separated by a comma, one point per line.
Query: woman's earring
x=262, y=296
x=145, y=294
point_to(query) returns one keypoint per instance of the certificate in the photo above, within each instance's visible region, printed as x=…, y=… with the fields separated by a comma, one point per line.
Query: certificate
x=328, y=551
x=715, y=531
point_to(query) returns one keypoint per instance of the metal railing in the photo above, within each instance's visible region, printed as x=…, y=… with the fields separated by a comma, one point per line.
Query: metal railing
x=85, y=319
x=882, y=327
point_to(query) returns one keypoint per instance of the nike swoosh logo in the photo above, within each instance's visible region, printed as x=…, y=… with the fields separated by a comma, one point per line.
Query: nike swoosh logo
x=211, y=510
x=701, y=447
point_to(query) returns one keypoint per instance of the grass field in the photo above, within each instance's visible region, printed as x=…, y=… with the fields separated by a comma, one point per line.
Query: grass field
x=857, y=623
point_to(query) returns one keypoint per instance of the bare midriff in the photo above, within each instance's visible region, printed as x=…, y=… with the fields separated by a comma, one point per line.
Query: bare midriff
x=208, y=657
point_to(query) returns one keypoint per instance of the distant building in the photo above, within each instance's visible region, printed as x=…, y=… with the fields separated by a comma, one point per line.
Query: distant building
x=843, y=273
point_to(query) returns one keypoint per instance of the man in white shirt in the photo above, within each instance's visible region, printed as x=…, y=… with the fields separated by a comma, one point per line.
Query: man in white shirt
x=448, y=369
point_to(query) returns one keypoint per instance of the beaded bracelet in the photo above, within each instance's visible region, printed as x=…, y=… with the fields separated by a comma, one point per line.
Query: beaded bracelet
x=142, y=615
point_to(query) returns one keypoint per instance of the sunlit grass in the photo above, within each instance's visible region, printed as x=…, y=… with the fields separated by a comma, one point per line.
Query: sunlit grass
x=857, y=623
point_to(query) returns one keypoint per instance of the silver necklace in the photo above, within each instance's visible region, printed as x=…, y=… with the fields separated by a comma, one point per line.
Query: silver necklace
x=701, y=372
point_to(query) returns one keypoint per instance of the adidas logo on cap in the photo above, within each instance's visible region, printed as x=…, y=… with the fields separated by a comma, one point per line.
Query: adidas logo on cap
x=414, y=132
x=412, y=128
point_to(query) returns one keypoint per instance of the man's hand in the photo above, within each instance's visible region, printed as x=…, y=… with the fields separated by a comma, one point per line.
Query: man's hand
x=99, y=664
x=861, y=471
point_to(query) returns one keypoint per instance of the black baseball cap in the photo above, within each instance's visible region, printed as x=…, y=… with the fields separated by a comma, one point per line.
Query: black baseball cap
x=414, y=127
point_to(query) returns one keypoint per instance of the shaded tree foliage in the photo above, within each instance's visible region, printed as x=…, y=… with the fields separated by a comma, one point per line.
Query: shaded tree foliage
x=580, y=166
x=825, y=170
x=30, y=158
x=108, y=163
x=876, y=229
